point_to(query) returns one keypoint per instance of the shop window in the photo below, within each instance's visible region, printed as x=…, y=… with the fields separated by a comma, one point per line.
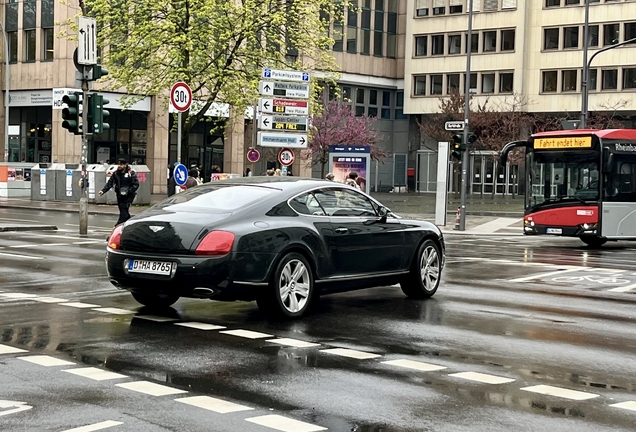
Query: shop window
x=452, y=83
x=490, y=41
x=571, y=37
x=454, y=44
x=551, y=39
x=437, y=45
x=610, y=34
x=420, y=46
x=549, y=82
x=507, y=40
x=629, y=78
x=568, y=80
x=506, y=81
x=419, y=85
x=488, y=83
x=609, y=79
x=436, y=84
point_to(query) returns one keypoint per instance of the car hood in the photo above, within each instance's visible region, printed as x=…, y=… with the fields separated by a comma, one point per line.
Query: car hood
x=162, y=231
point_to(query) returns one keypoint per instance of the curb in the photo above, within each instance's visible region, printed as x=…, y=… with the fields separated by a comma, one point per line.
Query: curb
x=90, y=212
x=28, y=228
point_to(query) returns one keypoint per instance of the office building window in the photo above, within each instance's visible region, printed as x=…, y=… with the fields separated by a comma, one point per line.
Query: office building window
x=629, y=78
x=360, y=96
x=551, y=39
x=490, y=41
x=506, y=82
x=592, y=80
x=47, y=14
x=568, y=80
x=420, y=46
x=549, y=82
x=48, y=38
x=630, y=31
x=352, y=13
x=572, y=2
x=29, y=10
x=473, y=83
x=610, y=34
x=436, y=84
x=338, y=29
x=421, y=8
x=456, y=6
x=378, y=28
x=365, y=33
x=29, y=45
x=609, y=79
x=592, y=38
x=437, y=45
x=373, y=112
x=399, y=103
x=474, y=44
x=488, y=83
x=571, y=37
x=373, y=97
x=352, y=40
x=507, y=40
x=454, y=44
x=13, y=46
x=359, y=111
x=439, y=10
x=391, y=30
x=452, y=83
x=552, y=3
x=386, y=98
x=419, y=85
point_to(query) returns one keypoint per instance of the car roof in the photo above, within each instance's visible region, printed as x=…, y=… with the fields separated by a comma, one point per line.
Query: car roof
x=282, y=183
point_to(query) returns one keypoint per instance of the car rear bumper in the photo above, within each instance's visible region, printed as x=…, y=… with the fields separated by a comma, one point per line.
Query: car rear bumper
x=236, y=276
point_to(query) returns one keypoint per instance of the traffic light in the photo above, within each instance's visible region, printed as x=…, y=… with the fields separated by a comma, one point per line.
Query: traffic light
x=99, y=71
x=458, y=144
x=71, y=114
x=97, y=114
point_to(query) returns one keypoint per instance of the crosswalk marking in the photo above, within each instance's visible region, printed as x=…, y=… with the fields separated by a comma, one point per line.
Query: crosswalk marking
x=155, y=318
x=416, y=365
x=293, y=343
x=149, y=388
x=560, y=392
x=284, y=424
x=80, y=305
x=200, y=326
x=6, y=349
x=629, y=405
x=17, y=295
x=95, y=427
x=247, y=334
x=344, y=352
x=47, y=361
x=482, y=378
x=213, y=404
x=49, y=299
x=95, y=373
x=21, y=256
x=115, y=311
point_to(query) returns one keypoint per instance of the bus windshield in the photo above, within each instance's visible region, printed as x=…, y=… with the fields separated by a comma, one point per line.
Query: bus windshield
x=561, y=176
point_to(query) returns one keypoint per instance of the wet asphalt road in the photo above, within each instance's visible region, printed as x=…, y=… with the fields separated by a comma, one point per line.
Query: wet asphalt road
x=512, y=313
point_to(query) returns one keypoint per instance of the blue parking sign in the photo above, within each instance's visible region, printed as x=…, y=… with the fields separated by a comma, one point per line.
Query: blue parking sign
x=180, y=174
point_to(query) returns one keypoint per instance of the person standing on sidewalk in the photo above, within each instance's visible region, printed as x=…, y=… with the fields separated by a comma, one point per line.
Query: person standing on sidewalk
x=125, y=182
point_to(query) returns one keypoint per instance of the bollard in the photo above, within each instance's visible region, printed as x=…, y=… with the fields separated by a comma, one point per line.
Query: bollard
x=457, y=217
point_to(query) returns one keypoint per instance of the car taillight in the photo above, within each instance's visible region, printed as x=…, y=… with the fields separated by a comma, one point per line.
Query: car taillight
x=216, y=243
x=115, y=237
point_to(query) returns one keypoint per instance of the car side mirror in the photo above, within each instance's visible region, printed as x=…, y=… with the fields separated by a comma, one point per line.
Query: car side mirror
x=384, y=212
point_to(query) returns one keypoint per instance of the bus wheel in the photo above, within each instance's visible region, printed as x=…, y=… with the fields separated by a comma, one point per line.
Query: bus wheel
x=593, y=241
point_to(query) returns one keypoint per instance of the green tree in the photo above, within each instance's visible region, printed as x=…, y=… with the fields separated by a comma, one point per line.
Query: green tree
x=218, y=47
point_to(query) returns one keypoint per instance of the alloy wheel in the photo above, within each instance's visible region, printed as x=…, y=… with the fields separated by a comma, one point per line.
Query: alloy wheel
x=294, y=285
x=429, y=268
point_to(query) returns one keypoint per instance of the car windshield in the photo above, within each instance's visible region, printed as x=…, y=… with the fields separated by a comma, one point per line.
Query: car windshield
x=217, y=199
x=561, y=177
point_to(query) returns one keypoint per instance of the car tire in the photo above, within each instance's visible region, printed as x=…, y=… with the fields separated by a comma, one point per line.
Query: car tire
x=291, y=289
x=426, y=271
x=155, y=300
x=593, y=242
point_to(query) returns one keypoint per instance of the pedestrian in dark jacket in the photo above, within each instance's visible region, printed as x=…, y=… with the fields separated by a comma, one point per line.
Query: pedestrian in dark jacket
x=193, y=175
x=124, y=181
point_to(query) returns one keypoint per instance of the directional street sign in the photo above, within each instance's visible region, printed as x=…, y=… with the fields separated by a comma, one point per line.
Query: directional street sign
x=454, y=125
x=87, y=41
x=292, y=90
x=283, y=106
x=181, y=96
x=283, y=123
x=286, y=157
x=286, y=75
x=281, y=139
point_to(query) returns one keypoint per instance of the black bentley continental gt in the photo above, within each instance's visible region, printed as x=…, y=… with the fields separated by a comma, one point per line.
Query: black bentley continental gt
x=278, y=240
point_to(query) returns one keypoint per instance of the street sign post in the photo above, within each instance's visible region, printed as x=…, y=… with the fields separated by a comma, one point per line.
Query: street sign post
x=454, y=125
x=283, y=89
x=283, y=123
x=282, y=139
x=253, y=155
x=286, y=157
x=283, y=106
x=87, y=41
x=181, y=98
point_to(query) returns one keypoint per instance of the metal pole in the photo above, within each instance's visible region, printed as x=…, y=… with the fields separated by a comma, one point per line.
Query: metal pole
x=586, y=67
x=466, y=155
x=179, y=137
x=83, y=204
x=6, y=93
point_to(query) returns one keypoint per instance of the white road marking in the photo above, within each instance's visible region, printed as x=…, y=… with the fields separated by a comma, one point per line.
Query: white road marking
x=80, y=305
x=17, y=295
x=17, y=407
x=629, y=405
x=560, y=392
x=247, y=334
x=49, y=299
x=96, y=426
x=284, y=424
x=623, y=289
x=53, y=244
x=410, y=364
x=21, y=256
x=200, y=326
x=18, y=220
x=151, y=389
x=115, y=311
x=89, y=242
x=44, y=360
x=6, y=349
x=212, y=404
x=350, y=353
x=543, y=275
x=293, y=343
x=23, y=246
x=155, y=318
x=95, y=373
x=482, y=378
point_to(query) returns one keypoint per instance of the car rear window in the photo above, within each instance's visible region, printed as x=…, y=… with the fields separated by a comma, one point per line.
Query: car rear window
x=219, y=198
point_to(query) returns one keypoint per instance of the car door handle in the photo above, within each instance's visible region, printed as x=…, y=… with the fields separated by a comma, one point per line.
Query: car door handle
x=341, y=230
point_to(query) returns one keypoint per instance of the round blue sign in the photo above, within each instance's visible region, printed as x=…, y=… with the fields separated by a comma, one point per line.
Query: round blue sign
x=180, y=174
x=253, y=155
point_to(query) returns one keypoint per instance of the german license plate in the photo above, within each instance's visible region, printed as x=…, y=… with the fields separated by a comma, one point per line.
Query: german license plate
x=553, y=231
x=150, y=267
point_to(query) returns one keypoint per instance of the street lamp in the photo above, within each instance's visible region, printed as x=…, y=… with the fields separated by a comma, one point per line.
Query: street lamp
x=466, y=153
x=6, y=93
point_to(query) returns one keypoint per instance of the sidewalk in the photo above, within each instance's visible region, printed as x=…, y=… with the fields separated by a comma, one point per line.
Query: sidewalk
x=490, y=217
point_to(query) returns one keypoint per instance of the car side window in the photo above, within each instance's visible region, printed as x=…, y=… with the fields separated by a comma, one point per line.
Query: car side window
x=343, y=202
x=307, y=204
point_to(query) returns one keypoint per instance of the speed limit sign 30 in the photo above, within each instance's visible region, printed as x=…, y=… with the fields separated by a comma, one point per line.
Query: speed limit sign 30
x=181, y=96
x=286, y=157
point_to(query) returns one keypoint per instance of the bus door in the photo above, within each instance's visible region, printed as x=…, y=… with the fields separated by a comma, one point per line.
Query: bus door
x=618, y=218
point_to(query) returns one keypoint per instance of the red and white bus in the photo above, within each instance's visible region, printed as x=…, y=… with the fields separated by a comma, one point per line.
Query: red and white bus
x=580, y=183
